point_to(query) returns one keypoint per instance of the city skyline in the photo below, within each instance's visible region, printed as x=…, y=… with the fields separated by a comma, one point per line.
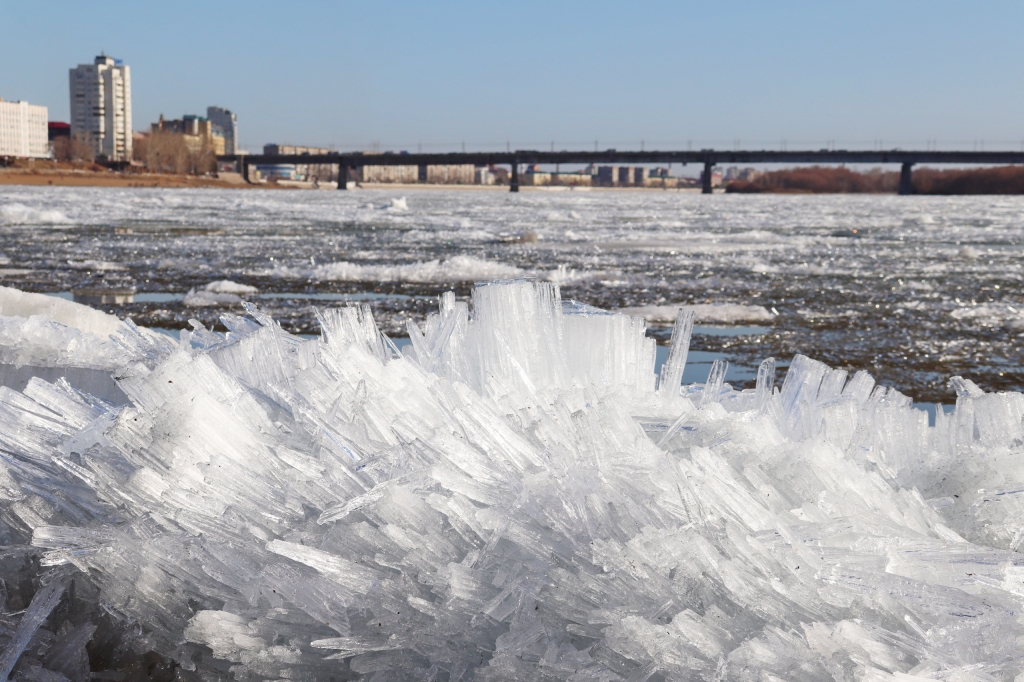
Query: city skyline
x=397, y=75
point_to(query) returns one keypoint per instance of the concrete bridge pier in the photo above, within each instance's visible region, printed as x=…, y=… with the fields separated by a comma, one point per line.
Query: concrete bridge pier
x=514, y=181
x=342, y=176
x=705, y=178
x=245, y=171
x=421, y=173
x=906, y=179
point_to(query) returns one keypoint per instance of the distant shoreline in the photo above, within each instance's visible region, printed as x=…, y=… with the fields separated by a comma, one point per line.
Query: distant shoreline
x=90, y=178
x=806, y=180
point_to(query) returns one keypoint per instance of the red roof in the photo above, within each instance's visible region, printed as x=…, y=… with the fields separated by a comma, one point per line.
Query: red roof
x=59, y=125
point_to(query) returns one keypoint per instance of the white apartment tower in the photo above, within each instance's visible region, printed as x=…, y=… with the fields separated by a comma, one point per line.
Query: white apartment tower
x=23, y=130
x=101, y=107
x=227, y=122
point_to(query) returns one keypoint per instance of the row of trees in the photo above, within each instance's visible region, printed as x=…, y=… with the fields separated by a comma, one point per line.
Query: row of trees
x=818, y=180
x=72, y=149
x=160, y=152
x=822, y=180
x=1002, y=180
x=167, y=152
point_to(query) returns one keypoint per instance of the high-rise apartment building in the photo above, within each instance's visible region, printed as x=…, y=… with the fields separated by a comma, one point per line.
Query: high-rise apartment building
x=23, y=130
x=101, y=107
x=228, y=124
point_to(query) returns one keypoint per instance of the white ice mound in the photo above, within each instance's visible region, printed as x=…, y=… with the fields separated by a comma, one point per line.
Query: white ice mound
x=516, y=498
x=454, y=269
x=226, y=286
x=220, y=293
x=20, y=214
x=15, y=303
x=52, y=338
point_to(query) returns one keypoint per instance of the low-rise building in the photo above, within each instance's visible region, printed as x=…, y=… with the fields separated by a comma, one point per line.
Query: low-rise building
x=451, y=174
x=662, y=178
x=290, y=149
x=55, y=129
x=745, y=174
x=572, y=179
x=615, y=176
x=279, y=171
x=23, y=130
x=534, y=176
x=483, y=175
x=387, y=174
x=312, y=172
x=502, y=174
x=307, y=172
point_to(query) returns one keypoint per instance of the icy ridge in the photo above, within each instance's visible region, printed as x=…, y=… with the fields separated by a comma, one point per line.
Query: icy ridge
x=516, y=497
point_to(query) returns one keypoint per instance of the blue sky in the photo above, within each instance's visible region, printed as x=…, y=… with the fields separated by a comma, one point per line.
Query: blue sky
x=403, y=74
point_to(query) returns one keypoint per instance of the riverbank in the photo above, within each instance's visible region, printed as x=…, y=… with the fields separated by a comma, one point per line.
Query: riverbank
x=107, y=178
x=523, y=188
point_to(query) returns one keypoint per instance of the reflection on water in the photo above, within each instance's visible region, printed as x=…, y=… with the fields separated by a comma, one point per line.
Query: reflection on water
x=101, y=296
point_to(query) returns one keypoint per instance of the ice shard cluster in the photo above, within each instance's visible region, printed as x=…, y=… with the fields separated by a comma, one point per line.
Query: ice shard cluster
x=515, y=496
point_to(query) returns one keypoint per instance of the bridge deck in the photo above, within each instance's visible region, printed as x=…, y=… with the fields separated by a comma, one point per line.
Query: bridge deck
x=708, y=157
x=703, y=156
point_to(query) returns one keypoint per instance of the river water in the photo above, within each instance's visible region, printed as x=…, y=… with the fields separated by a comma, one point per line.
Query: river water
x=912, y=289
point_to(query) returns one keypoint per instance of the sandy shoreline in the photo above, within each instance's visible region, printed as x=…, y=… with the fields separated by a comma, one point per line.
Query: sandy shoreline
x=78, y=178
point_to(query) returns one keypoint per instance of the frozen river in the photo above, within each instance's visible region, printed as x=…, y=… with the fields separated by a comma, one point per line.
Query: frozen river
x=912, y=289
x=516, y=494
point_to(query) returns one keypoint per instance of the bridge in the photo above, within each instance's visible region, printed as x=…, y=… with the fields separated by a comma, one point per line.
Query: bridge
x=709, y=158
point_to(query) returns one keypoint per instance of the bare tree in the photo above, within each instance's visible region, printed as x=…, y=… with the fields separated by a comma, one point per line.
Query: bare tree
x=166, y=152
x=201, y=158
x=72, y=149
